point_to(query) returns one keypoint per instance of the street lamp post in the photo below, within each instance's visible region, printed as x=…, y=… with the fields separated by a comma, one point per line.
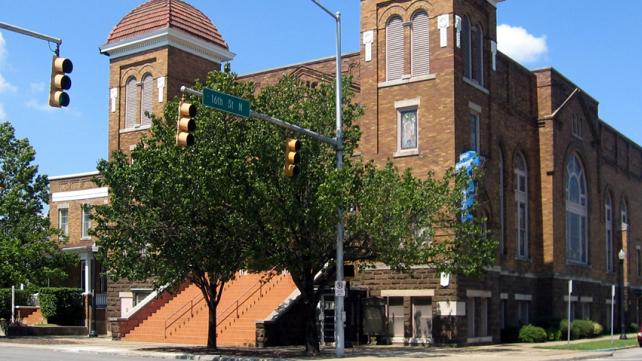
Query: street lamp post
x=338, y=298
x=621, y=255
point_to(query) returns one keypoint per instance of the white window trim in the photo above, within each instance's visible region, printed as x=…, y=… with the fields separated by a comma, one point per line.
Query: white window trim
x=608, y=228
x=84, y=229
x=401, y=106
x=521, y=197
x=66, y=230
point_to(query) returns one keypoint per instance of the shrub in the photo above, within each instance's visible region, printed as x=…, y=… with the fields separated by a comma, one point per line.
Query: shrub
x=62, y=306
x=23, y=298
x=554, y=334
x=585, y=328
x=575, y=330
x=633, y=327
x=597, y=329
x=530, y=333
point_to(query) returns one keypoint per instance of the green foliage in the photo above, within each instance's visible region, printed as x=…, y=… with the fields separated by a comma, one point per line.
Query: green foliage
x=530, y=333
x=61, y=306
x=598, y=329
x=23, y=298
x=174, y=212
x=29, y=253
x=553, y=334
x=585, y=328
x=581, y=329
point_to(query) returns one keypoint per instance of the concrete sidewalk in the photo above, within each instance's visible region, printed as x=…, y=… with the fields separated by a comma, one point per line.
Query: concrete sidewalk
x=104, y=345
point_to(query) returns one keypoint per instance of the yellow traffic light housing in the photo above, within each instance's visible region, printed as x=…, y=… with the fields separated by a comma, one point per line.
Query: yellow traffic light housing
x=60, y=81
x=186, y=125
x=292, y=158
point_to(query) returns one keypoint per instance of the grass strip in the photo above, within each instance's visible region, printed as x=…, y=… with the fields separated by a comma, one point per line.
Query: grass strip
x=595, y=345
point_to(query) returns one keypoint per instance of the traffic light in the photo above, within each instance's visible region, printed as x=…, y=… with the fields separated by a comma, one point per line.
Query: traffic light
x=292, y=158
x=60, y=81
x=185, y=125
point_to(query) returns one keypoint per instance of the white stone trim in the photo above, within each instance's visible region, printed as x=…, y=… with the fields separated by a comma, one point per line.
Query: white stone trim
x=80, y=195
x=573, y=298
x=160, y=84
x=74, y=175
x=450, y=308
x=586, y=299
x=493, y=52
x=479, y=339
x=503, y=296
x=478, y=293
x=113, y=95
x=443, y=22
x=523, y=297
x=136, y=128
x=167, y=37
x=475, y=107
x=408, y=293
x=406, y=80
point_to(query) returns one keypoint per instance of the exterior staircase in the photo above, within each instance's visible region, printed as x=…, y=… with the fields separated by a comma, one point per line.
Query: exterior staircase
x=183, y=319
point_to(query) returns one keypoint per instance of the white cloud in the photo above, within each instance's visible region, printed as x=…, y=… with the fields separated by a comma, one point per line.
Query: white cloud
x=39, y=105
x=520, y=45
x=5, y=86
x=3, y=115
x=37, y=87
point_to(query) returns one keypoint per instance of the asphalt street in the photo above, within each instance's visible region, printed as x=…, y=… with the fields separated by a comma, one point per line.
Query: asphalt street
x=9, y=353
x=629, y=354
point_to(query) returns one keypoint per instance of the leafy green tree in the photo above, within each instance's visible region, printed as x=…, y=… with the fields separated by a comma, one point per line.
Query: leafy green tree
x=391, y=216
x=205, y=212
x=177, y=214
x=29, y=252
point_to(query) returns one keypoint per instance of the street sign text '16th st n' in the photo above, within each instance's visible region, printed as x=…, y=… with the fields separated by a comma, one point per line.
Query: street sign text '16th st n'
x=226, y=103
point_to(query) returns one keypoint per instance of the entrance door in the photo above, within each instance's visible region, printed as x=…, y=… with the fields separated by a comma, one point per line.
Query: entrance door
x=422, y=319
x=395, y=318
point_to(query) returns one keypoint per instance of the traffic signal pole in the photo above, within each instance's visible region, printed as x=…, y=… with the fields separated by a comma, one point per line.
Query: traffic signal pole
x=33, y=34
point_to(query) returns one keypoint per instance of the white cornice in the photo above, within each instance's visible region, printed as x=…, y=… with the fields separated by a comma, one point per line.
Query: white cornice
x=75, y=175
x=80, y=195
x=167, y=37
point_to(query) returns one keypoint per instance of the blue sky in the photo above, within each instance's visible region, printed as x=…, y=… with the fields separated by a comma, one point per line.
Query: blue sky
x=594, y=45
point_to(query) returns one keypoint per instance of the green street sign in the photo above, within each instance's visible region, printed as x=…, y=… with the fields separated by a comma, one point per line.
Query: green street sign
x=226, y=103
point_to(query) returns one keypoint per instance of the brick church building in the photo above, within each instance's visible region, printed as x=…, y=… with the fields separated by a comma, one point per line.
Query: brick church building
x=562, y=188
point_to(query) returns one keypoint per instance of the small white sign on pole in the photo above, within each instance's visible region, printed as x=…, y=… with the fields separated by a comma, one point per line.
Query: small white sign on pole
x=340, y=288
x=612, y=309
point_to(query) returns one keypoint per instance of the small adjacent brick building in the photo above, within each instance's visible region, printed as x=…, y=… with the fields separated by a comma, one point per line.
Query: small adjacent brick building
x=562, y=187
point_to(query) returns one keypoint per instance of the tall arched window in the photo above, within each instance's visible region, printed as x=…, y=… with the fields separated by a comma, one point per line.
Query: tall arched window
x=521, y=205
x=477, y=51
x=576, y=212
x=465, y=45
x=420, y=50
x=608, y=225
x=624, y=212
x=146, y=99
x=130, y=102
x=394, y=48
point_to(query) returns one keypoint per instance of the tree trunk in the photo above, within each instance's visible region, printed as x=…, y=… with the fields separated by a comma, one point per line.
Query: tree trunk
x=311, y=318
x=211, y=329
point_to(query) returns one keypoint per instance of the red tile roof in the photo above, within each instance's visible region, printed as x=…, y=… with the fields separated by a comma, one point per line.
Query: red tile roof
x=157, y=14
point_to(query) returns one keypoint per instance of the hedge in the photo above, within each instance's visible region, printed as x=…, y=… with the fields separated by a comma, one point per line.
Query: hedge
x=23, y=298
x=581, y=329
x=61, y=306
x=530, y=333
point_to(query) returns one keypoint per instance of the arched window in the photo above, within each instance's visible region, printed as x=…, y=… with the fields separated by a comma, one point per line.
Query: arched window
x=465, y=45
x=420, y=50
x=146, y=99
x=394, y=48
x=576, y=212
x=502, y=245
x=477, y=54
x=608, y=225
x=521, y=205
x=624, y=212
x=130, y=102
